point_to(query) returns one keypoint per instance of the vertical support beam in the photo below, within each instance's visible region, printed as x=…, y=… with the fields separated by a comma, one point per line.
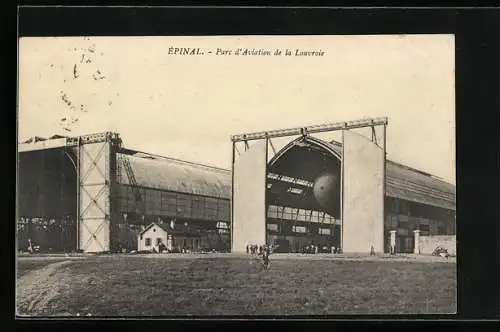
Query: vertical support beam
x=266, y=237
x=95, y=193
x=232, y=193
x=282, y=220
x=416, y=241
x=384, y=183
x=78, y=185
x=393, y=242
x=342, y=193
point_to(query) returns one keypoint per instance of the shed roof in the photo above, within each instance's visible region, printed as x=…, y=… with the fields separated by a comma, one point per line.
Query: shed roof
x=179, y=229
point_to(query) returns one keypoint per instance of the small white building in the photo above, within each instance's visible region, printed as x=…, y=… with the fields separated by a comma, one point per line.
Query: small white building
x=174, y=236
x=151, y=237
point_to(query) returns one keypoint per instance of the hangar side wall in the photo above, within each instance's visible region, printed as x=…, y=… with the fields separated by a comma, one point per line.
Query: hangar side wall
x=161, y=206
x=405, y=217
x=363, y=195
x=169, y=204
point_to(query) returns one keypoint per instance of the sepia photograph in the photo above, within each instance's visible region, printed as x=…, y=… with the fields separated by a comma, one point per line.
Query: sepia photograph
x=222, y=176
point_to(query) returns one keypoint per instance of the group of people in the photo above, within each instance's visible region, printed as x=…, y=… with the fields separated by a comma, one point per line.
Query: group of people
x=263, y=251
x=314, y=249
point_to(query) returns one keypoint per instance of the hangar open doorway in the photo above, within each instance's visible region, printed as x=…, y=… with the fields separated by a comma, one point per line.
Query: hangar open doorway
x=47, y=200
x=64, y=193
x=311, y=192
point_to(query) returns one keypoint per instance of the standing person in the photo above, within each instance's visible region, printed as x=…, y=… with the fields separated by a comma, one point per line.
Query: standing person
x=247, y=249
x=30, y=247
x=265, y=257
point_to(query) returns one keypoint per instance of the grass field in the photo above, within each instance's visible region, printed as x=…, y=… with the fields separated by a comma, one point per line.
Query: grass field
x=162, y=285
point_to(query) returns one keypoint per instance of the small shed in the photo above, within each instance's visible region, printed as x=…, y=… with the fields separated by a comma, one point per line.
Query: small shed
x=174, y=237
x=151, y=237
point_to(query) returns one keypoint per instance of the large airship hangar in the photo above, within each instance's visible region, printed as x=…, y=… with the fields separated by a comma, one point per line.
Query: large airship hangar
x=92, y=194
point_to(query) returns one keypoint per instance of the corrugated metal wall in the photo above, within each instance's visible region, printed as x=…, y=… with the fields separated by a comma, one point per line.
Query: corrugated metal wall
x=168, y=204
x=163, y=206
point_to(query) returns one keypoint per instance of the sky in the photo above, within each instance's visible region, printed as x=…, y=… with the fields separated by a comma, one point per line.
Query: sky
x=188, y=106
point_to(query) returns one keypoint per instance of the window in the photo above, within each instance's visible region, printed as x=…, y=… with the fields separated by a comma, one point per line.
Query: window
x=287, y=213
x=302, y=215
x=272, y=211
x=222, y=227
x=295, y=191
x=272, y=227
x=329, y=219
x=299, y=229
x=222, y=224
x=147, y=242
x=304, y=183
x=324, y=231
x=273, y=176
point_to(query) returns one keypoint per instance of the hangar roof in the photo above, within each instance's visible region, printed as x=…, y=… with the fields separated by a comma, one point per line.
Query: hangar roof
x=410, y=184
x=181, y=176
x=153, y=171
x=175, y=175
x=402, y=182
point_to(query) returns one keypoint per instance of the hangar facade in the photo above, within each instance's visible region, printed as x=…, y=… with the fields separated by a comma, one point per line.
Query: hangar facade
x=301, y=213
x=90, y=193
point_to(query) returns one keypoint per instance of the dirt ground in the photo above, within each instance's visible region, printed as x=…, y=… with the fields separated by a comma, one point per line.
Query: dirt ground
x=229, y=284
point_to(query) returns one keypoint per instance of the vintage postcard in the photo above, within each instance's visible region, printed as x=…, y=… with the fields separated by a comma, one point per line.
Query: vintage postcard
x=236, y=175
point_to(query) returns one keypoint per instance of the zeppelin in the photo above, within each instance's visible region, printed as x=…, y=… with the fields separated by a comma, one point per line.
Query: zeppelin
x=184, y=51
